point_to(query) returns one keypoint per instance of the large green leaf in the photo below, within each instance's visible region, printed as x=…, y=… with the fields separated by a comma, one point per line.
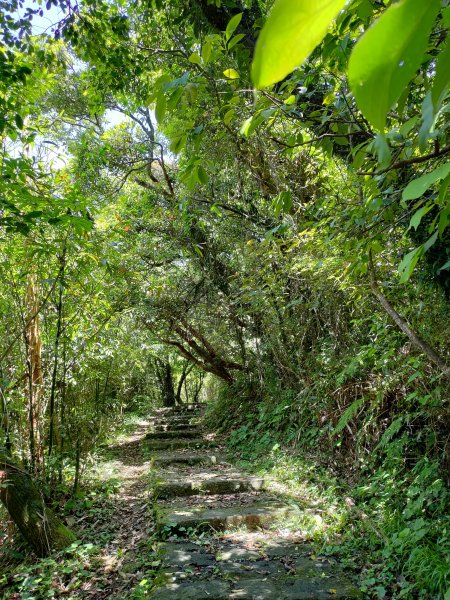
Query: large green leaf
x=292, y=31
x=442, y=77
x=232, y=25
x=160, y=108
x=388, y=55
x=417, y=187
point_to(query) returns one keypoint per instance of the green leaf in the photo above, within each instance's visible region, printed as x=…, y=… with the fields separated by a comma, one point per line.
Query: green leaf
x=282, y=203
x=232, y=25
x=430, y=241
x=444, y=219
x=409, y=261
x=235, y=40
x=417, y=187
x=444, y=266
x=19, y=121
x=407, y=127
x=427, y=121
x=160, y=108
x=348, y=414
x=251, y=124
x=382, y=149
x=228, y=116
x=215, y=209
x=177, y=144
x=417, y=216
x=195, y=58
x=202, y=175
x=329, y=99
x=245, y=128
x=388, y=55
x=206, y=51
x=442, y=78
x=231, y=74
x=292, y=31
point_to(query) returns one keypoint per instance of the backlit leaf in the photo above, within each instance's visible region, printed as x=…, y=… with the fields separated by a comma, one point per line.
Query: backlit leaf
x=160, y=108
x=231, y=74
x=206, y=51
x=388, y=55
x=292, y=31
x=195, y=58
x=232, y=25
x=382, y=149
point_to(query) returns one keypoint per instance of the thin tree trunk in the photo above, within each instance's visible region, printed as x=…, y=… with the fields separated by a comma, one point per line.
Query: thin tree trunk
x=55, y=359
x=198, y=387
x=23, y=501
x=62, y=419
x=402, y=324
x=35, y=376
x=186, y=370
x=77, y=464
x=4, y=423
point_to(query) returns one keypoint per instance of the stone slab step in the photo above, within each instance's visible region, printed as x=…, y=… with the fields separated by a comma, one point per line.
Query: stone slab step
x=172, y=418
x=183, y=410
x=166, y=425
x=251, y=572
x=181, y=425
x=179, y=458
x=178, y=443
x=186, y=434
x=253, y=517
x=208, y=486
x=257, y=589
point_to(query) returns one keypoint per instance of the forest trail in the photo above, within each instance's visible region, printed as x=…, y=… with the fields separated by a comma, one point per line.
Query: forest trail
x=225, y=535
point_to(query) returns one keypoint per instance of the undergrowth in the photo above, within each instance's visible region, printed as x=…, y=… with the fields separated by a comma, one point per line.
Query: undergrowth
x=82, y=568
x=363, y=452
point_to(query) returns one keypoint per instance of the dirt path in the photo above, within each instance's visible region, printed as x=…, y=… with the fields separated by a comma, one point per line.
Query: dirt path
x=126, y=522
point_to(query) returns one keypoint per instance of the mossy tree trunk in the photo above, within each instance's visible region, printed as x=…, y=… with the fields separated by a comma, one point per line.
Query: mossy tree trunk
x=23, y=501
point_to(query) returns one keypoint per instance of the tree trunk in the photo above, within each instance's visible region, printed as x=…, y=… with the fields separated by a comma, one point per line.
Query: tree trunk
x=168, y=393
x=34, y=366
x=163, y=371
x=403, y=325
x=37, y=523
x=187, y=368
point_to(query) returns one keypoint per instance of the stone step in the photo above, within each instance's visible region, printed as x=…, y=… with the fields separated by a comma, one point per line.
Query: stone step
x=179, y=458
x=259, y=589
x=181, y=425
x=276, y=569
x=186, y=434
x=172, y=417
x=178, y=443
x=167, y=425
x=175, y=421
x=208, y=486
x=181, y=410
x=254, y=516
